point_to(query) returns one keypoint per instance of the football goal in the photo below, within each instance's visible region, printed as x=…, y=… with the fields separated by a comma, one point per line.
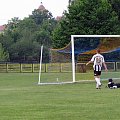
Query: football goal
x=67, y=65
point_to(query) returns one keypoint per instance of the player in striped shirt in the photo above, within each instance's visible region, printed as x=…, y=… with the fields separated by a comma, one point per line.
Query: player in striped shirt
x=98, y=61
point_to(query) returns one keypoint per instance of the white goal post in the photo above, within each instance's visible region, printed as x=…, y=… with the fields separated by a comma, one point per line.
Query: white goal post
x=73, y=68
x=72, y=42
x=39, y=81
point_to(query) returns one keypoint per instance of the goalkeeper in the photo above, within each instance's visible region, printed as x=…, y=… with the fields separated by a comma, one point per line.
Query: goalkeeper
x=98, y=61
x=111, y=84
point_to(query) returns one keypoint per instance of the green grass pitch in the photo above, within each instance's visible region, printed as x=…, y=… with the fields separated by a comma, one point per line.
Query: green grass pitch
x=22, y=99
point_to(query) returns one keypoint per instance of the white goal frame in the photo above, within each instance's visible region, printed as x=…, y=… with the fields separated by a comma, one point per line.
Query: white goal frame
x=73, y=56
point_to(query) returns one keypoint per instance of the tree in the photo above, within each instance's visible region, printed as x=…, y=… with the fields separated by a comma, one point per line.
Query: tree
x=116, y=6
x=86, y=17
x=39, y=16
x=23, y=38
x=4, y=55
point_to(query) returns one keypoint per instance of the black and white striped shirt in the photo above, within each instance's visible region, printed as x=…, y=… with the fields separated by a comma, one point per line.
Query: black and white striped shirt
x=98, y=60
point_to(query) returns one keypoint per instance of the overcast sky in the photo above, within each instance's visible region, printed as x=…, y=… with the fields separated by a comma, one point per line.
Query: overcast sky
x=23, y=8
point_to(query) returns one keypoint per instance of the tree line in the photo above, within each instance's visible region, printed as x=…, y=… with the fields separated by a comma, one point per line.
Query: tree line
x=88, y=17
x=22, y=39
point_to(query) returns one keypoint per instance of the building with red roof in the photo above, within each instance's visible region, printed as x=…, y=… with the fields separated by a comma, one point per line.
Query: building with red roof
x=41, y=7
x=2, y=28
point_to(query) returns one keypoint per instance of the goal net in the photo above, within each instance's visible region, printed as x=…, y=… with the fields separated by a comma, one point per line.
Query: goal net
x=67, y=65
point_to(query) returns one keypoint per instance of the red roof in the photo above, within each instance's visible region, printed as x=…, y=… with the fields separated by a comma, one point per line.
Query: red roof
x=41, y=7
x=2, y=27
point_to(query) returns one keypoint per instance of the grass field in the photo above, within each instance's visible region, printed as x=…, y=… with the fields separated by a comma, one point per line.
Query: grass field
x=22, y=99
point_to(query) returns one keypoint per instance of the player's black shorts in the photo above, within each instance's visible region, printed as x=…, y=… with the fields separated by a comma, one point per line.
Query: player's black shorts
x=96, y=73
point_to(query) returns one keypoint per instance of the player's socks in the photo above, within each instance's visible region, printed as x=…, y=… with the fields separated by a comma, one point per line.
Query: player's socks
x=98, y=83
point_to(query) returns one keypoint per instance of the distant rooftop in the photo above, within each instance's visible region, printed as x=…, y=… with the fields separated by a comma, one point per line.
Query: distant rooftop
x=2, y=28
x=41, y=7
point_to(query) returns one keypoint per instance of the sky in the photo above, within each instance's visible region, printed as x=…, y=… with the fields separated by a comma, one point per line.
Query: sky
x=23, y=8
